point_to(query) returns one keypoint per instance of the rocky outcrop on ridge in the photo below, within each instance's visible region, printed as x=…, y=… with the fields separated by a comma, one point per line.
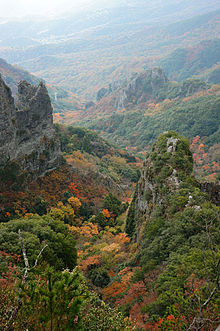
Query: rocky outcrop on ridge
x=27, y=134
x=167, y=184
x=139, y=89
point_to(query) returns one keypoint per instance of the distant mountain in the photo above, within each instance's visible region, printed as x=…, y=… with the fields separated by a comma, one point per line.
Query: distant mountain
x=83, y=52
x=114, y=16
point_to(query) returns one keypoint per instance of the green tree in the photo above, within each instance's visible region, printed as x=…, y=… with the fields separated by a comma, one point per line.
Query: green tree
x=54, y=300
x=113, y=204
x=36, y=232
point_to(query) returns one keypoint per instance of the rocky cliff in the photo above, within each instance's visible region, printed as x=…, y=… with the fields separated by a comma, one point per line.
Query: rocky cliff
x=139, y=89
x=142, y=88
x=27, y=134
x=136, y=94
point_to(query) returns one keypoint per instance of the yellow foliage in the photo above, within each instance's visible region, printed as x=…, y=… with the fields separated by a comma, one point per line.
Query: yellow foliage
x=75, y=230
x=100, y=246
x=74, y=203
x=111, y=248
x=119, y=160
x=122, y=238
x=27, y=215
x=63, y=213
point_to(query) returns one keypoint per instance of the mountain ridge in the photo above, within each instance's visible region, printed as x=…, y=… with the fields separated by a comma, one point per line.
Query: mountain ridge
x=63, y=64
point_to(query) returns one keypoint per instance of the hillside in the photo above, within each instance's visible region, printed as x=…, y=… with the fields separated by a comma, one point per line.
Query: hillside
x=163, y=272
x=135, y=113
x=12, y=75
x=175, y=227
x=89, y=153
x=184, y=63
x=110, y=165
x=92, y=168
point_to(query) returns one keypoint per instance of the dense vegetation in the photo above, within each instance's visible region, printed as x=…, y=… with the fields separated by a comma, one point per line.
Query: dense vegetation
x=93, y=168
x=183, y=63
x=86, y=145
x=163, y=274
x=196, y=115
x=39, y=294
x=98, y=244
x=181, y=239
x=174, y=277
x=191, y=116
x=36, y=231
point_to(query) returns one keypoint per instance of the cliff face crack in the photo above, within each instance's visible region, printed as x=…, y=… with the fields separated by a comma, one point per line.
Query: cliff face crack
x=27, y=133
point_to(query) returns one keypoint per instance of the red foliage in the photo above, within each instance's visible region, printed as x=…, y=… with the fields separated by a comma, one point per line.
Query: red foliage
x=73, y=189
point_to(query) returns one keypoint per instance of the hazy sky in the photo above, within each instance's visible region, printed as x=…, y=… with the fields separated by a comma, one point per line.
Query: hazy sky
x=15, y=8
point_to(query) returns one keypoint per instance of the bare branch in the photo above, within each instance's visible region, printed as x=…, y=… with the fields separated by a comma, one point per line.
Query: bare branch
x=26, y=262
x=23, y=250
x=36, y=261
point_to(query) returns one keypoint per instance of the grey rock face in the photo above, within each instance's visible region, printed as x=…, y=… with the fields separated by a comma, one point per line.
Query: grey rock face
x=141, y=88
x=138, y=89
x=7, y=123
x=27, y=134
x=171, y=144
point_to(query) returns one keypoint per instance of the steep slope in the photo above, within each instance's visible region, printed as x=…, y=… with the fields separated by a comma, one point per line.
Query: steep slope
x=90, y=154
x=183, y=63
x=175, y=226
x=167, y=275
x=167, y=169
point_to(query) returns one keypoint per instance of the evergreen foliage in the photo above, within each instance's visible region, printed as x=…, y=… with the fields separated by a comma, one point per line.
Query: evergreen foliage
x=38, y=231
x=199, y=116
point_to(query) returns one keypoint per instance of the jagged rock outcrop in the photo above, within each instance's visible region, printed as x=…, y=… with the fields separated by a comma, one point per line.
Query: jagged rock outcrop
x=167, y=183
x=163, y=169
x=139, y=89
x=27, y=133
x=112, y=87
x=142, y=88
x=7, y=123
x=150, y=85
